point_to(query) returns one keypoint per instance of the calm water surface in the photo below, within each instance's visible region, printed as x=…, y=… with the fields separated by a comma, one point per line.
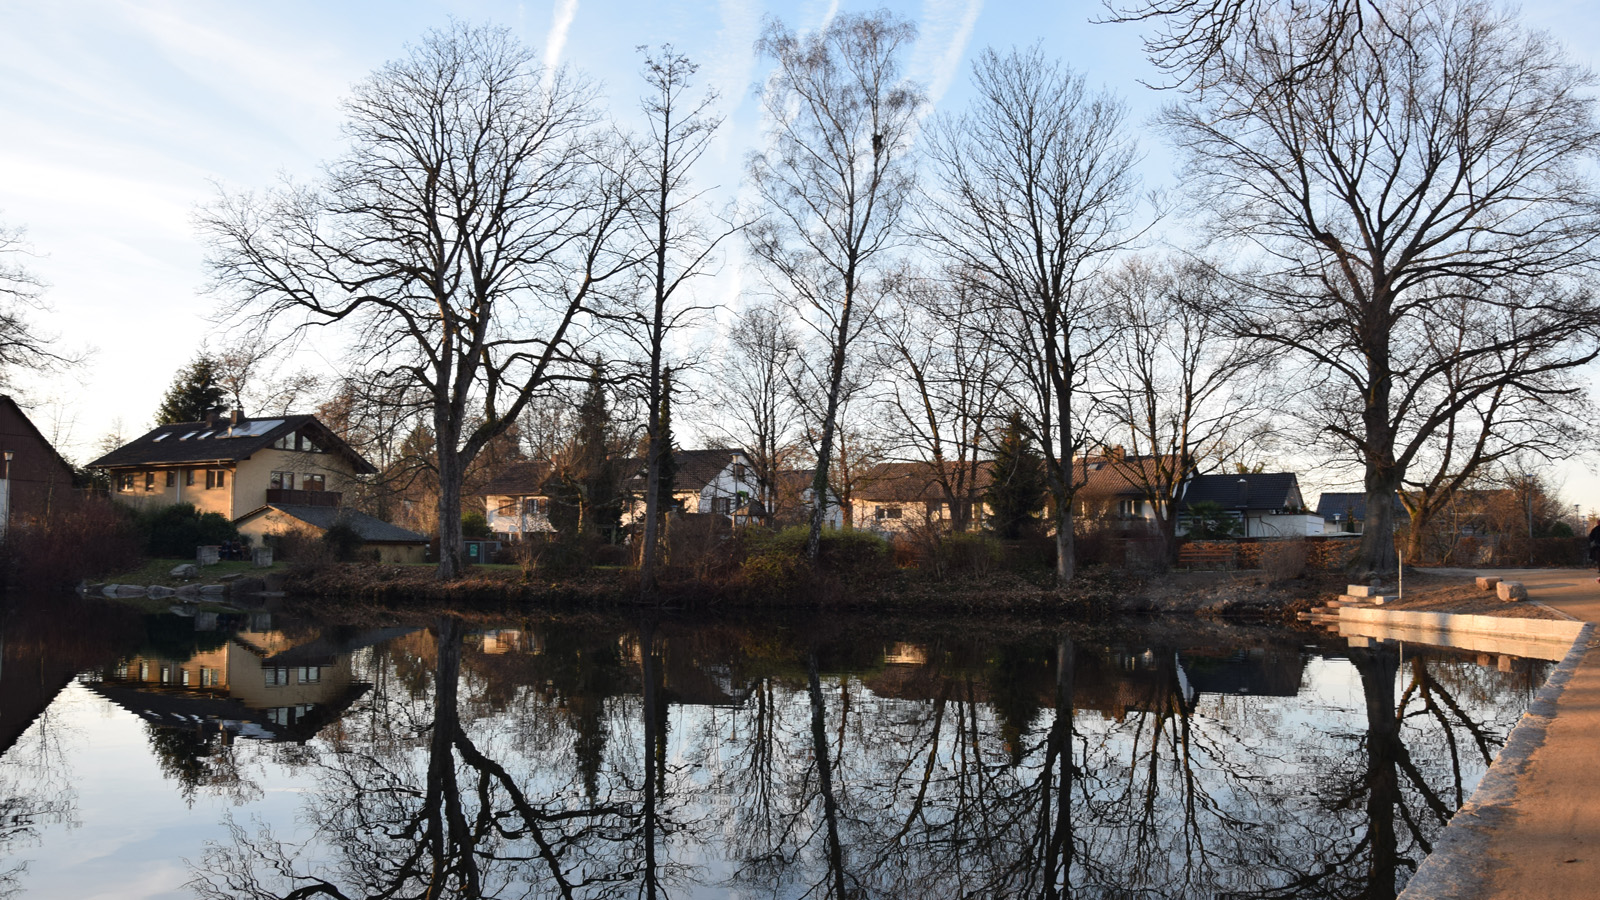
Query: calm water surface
x=257, y=756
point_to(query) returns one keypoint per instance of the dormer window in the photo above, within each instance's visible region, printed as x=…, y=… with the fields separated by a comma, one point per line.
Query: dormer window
x=738, y=471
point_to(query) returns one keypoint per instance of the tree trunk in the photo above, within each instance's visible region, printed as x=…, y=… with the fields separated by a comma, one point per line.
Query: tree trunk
x=819, y=483
x=1376, y=557
x=652, y=487
x=1378, y=668
x=451, y=545
x=1066, y=561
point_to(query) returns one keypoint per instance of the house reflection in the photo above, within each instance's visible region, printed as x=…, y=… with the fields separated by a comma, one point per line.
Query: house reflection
x=258, y=682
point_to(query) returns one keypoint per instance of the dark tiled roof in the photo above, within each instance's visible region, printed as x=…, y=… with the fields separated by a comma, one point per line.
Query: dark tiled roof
x=203, y=442
x=1268, y=490
x=697, y=468
x=373, y=531
x=1352, y=505
x=521, y=478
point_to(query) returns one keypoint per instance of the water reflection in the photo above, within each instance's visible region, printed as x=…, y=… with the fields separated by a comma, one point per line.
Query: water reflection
x=603, y=757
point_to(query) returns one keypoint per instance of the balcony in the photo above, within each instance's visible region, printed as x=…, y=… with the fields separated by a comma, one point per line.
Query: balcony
x=303, y=498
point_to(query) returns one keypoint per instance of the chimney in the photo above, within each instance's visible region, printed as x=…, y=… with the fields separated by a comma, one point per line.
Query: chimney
x=236, y=417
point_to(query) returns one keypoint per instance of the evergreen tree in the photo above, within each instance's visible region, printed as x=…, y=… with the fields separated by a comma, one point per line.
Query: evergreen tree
x=669, y=462
x=196, y=394
x=590, y=489
x=1017, y=485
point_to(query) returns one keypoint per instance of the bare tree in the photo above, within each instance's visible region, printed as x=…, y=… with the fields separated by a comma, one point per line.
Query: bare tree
x=457, y=242
x=750, y=395
x=833, y=184
x=1530, y=413
x=1177, y=390
x=1443, y=155
x=676, y=245
x=22, y=344
x=944, y=380
x=1037, y=185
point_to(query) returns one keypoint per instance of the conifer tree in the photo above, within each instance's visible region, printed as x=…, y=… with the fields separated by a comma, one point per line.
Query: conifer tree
x=588, y=500
x=1017, y=483
x=196, y=394
x=668, y=461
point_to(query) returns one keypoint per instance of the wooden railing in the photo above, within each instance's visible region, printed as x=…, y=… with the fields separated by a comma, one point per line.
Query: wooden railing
x=303, y=498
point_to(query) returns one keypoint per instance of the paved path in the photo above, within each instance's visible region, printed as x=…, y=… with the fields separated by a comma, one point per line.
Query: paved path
x=1550, y=848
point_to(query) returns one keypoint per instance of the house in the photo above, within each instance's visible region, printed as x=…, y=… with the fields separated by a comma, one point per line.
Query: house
x=1265, y=505
x=795, y=491
x=716, y=480
x=1344, y=512
x=517, y=500
x=1115, y=486
x=900, y=496
x=392, y=543
x=269, y=475
x=33, y=476
x=234, y=465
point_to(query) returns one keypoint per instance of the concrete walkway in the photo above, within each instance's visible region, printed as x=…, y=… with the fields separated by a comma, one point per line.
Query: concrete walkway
x=1547, y=845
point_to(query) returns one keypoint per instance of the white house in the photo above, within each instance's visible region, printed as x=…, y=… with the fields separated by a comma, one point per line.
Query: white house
x=1266, y=505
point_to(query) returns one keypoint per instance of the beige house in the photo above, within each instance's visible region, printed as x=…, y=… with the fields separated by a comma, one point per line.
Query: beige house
x=268, y=476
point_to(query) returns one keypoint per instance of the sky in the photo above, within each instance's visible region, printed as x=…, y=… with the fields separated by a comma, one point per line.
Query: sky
x=119, y=119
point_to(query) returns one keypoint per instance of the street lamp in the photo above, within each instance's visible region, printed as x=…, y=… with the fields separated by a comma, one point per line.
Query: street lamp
x=1527, y=494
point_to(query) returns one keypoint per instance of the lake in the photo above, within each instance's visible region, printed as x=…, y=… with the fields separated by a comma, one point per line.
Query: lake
x=820, y=755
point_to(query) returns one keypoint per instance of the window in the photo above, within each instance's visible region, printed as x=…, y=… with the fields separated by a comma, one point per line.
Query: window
x=284, y=443
x=276, y=676
x=188, y=478
x=183, y=677
x=722, y=505
x=216, y=478
x=166, y=674
x=309, y=675
x=533, y=507
x=208, y=677
x=149, y=481
x=935, y=509
x=283, y=480
x=1130, y=509
x=738, y=471
x=144, y=670
x=125, y=481
x=172, y=478
x=313, y=483
x=888, y=512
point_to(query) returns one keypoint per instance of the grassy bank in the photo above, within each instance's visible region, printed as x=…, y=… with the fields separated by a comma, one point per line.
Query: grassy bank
x=1096, y=592
x=159, y=571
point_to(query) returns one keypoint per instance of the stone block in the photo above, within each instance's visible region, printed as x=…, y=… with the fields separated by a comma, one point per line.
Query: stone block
x=1363, y=590
x=1511, y=591
x=1487, y=583
x=213, y=590
x=262, y=556
x=161, y=592
x=231, y=576
x=208, y=554
x=186, y=570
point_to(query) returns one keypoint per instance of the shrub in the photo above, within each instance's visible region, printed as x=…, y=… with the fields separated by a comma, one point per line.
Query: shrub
x=474, y=526
x=343, y=542
x=173, y=532
x=851, y=555
x=80, y=538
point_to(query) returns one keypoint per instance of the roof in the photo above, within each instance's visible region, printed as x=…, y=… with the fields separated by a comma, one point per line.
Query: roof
x=371, y=530
x=698, y=468
x=528, y=477
x=221, y=440
x=1128, y=476
x=1351, y=505
x=23, y=417
x=909, y=482
x=1262, y=490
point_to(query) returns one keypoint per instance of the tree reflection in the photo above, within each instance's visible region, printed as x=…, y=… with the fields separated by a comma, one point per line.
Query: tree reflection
x=657, y=758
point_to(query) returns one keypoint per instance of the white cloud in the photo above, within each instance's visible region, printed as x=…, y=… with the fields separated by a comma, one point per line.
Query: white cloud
x=945, y=30
x=560, y=23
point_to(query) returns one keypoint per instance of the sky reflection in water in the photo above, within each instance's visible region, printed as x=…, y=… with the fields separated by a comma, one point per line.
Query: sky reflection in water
x=816, y=757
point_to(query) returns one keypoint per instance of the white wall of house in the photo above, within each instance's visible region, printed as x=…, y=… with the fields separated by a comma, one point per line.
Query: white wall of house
x=512, y=516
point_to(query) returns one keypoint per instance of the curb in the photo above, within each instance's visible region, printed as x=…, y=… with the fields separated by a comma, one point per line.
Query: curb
x=1457, y=867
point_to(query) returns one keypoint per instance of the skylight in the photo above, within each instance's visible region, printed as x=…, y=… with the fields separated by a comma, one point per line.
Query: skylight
x=163, y=436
